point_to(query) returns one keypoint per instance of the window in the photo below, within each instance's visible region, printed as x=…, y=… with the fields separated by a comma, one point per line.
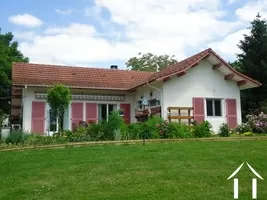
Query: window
x=154, y=102
x=213, y=107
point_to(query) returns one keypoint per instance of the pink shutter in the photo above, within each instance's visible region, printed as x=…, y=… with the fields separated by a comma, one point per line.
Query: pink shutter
x=91, y=112
x=231, y=113
x=76, y=114
x=126, y=107
x=38, y=117
x=198, y=109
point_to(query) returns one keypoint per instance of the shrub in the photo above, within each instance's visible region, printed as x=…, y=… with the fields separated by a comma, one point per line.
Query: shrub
x=112, y=126
x=202, y=129
x=96, y=131
x=242, y=128
x=152, y=130
x=224, y=130
x=135, y=131
x=258, y=123
x=37, y=139
x=163, y=129
x=15, y=137
x=65, y=133
x=80, y=135
x=124, y=132
x=179, y=130
x=248, y=134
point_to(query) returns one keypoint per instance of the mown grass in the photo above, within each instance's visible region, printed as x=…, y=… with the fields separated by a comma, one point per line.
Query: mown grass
x=188, y=170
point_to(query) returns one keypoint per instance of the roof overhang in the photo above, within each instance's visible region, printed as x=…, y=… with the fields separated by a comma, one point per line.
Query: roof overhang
x=242, y=81
x=71, y=87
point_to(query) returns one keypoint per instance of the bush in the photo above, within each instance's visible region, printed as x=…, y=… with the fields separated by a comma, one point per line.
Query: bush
x=37, y=139
x=163, y=129
x=202, y=130
x=124, y=132
x=248, y=134
x=104, y=130
x=111, y=128
x=134, y=131
x=80, y=135
x=95, y=131
x=152, y=130
x=242, y=128
x=15, y=137
x=224, y=130
x=179, y=130
x=65, y=133
x=258, y=123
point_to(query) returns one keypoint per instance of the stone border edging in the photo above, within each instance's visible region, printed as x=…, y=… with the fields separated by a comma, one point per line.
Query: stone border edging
x=121, y=142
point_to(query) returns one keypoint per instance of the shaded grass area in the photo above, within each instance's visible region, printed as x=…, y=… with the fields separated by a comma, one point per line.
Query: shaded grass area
x=189, y=170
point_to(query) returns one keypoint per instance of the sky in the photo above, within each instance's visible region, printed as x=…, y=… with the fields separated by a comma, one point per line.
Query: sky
x=100, y=33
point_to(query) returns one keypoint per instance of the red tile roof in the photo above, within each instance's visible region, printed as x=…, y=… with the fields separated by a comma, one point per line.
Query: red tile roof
x=98, y=78
x=180, y=66
x=190, y=62
x=77, y=77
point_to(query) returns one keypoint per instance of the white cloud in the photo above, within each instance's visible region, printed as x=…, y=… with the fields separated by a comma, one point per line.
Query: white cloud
x=228, y=46
x=27, y=35
x=231, y=2
x=64, y=12
x=26, y=20
x=93, y=11
x=249, y=11
x=160, y=27
x=73, y=29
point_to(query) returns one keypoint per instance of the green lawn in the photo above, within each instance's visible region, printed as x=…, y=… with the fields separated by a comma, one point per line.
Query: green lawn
x=187, y=170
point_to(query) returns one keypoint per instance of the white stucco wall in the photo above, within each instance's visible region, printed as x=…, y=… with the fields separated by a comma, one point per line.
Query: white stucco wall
x=29, y=96
x=201, y=81
x=145, y=91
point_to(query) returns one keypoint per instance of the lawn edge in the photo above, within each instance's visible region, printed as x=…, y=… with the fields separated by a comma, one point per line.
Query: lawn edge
x=121, y=142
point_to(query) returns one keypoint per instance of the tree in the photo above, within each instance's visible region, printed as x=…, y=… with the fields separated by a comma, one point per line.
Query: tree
x=236, y=65
x=59, y=97
x=8, y=53
x=253, y=62
x=150, y=62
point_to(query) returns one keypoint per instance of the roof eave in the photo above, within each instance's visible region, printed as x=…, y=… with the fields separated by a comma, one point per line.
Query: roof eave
x=223, y=62
x=72, y=87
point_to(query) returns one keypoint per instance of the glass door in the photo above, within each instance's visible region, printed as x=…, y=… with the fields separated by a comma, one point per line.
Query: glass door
x=104, y=110
x=52, y=122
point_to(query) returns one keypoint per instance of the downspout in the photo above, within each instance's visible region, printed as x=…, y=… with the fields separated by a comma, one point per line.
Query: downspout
x=161, y=98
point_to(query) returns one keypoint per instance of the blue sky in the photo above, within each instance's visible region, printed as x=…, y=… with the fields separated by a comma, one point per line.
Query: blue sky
x=103, y=32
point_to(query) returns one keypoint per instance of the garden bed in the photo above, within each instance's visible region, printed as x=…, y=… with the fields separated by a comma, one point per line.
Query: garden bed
x=115, y=131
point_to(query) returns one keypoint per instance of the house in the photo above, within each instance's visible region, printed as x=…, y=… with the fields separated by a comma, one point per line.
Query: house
x=203, y=81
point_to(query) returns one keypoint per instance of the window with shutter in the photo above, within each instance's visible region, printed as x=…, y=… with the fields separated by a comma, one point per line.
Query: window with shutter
x=198, y=108
x=231, y=113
